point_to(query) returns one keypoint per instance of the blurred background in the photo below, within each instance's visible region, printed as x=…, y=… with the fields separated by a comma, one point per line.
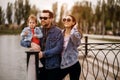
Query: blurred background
x=98, y=19
x=93, y=16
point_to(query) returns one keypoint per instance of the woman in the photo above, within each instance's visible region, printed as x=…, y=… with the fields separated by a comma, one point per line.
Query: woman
x=72, y=39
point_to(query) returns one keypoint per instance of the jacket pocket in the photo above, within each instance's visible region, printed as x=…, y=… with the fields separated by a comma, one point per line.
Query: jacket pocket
x=53, y=42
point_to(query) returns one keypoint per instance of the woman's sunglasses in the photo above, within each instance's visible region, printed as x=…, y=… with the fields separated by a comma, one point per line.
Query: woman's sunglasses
x=66, y=19
x=45, y=18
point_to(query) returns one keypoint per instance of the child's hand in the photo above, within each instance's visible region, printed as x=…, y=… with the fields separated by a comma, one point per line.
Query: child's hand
x=26, y=33
x=35, y=47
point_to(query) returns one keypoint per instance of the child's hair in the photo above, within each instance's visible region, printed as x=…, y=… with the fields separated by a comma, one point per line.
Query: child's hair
x=33, y=17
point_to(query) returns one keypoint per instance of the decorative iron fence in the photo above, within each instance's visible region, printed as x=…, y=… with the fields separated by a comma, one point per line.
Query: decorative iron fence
x=100, y=61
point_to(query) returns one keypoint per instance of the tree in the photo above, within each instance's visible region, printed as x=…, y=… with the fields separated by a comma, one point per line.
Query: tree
x=83, y=14
x=9, y=13
x=54, y=8
x=61, y=16
x=34, y=10
x=22, y=11
x=26, y=11
x=2, y=16
x=18, y=11
x=113, y=7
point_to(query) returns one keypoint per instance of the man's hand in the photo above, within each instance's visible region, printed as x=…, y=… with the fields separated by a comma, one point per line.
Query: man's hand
x=40, y=54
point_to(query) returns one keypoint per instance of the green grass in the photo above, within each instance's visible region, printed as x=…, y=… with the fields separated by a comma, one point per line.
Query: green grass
x=15, y=31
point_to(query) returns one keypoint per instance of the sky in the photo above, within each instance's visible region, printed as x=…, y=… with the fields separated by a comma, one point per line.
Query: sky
x=47, y=4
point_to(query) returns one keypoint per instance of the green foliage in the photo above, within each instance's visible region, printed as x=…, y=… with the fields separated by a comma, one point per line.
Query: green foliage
x=26, y=10
x=18, y=11
x=34, y=10
x=17, y=31
x=83, y=15
x=10, y=29
x=104, y=13
x=2, y=15
x=21, y=9
x=9, y=13
x=108, y=25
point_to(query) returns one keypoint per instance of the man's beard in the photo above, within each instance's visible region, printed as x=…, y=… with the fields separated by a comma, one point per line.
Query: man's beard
x=45, y=26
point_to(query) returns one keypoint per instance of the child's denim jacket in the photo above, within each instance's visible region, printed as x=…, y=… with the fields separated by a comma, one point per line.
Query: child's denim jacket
x=29, y=36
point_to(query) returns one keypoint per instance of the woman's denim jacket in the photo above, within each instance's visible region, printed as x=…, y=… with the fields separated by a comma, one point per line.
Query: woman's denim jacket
x=70, y=53
x=27, y=39
x=53, y=49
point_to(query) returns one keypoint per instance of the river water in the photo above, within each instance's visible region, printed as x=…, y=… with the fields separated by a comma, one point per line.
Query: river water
x=12, y=58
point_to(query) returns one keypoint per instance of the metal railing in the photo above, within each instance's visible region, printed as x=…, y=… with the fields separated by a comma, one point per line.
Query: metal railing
x=100, y=61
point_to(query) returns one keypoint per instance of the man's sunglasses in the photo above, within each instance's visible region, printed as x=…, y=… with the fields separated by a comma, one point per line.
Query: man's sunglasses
x=68, y=19
x=45, y=18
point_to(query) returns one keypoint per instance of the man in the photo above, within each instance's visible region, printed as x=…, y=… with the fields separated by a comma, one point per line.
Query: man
x=51, y=47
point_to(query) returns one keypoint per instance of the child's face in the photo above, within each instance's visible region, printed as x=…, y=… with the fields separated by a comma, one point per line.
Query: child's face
x=32, y=23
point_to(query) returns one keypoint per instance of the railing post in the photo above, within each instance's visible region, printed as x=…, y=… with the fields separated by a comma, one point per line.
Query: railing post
x=32, y=55
x=86, y=47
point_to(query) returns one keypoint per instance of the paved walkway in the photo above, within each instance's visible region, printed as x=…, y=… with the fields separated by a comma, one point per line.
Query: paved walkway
x=117, y=38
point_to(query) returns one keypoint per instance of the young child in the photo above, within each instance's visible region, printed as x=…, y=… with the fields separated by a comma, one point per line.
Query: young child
x=31, y=34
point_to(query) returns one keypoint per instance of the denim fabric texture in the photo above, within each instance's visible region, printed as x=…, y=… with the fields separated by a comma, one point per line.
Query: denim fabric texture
x=53, y=49
x=26, y=40
x=70, y=53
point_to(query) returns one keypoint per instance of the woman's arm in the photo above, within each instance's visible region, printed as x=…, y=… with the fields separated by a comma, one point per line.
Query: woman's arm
x=75, y=36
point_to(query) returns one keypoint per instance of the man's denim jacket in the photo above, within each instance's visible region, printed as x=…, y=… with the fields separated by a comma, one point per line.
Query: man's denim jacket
x=53, y=49
x=70, y=53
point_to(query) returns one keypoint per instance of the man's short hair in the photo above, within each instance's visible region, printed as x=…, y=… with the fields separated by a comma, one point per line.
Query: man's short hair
x=48, y=11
